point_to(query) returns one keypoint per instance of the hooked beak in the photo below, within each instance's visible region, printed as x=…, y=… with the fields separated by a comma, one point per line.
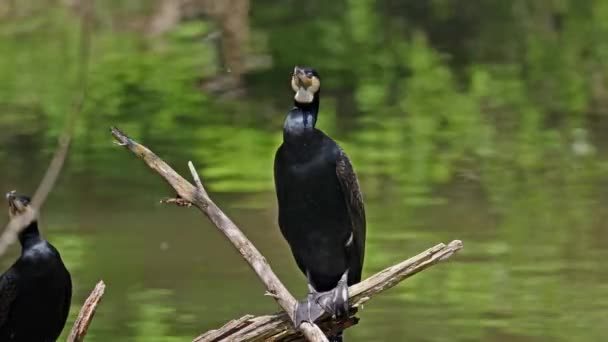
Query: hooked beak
x=12, y=206
x=10, y=196
x=17, y=204
x=301, y=78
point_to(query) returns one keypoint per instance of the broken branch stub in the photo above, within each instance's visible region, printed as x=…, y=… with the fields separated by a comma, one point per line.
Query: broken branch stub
x=81, y=325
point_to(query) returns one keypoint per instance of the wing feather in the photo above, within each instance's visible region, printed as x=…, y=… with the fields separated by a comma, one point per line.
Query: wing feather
x=354, y=203
x=8, y=293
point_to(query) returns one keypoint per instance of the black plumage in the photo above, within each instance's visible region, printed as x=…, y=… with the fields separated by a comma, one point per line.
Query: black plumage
x=321, y=212
x=35, y=293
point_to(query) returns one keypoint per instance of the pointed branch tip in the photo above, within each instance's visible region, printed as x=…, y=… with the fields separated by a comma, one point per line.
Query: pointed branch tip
x=196, y=177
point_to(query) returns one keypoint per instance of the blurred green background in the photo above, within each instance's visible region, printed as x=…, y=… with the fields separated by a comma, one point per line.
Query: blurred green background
x=479, y=120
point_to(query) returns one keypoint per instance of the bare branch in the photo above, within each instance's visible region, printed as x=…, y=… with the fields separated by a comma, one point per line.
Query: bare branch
x=12, y=229
x=202, y=201
x=197, y=178
x=14, y=226
x=278, y=327
x=81, y=325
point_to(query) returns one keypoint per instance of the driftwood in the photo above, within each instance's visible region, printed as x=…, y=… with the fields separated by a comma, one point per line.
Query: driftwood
x=197, y=196
x=278, y=327
x=81, y=325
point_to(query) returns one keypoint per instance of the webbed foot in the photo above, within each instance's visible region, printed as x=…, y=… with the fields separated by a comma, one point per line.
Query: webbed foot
x=335, y=302
x=308, y=309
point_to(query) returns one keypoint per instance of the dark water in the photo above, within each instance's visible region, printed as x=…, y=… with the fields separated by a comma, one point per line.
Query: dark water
x=450, y=138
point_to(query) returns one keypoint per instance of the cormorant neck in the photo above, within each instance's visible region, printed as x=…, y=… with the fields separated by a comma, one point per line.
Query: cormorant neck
x=301, y=120
x=312, y=107
x=30, y=235
x=299, y=125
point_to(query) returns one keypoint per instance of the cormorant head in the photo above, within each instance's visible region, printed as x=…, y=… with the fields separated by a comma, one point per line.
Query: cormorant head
x=306, y=83
x=18, y=205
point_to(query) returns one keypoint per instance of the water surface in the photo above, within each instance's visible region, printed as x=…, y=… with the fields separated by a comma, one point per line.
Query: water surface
x=450, y=141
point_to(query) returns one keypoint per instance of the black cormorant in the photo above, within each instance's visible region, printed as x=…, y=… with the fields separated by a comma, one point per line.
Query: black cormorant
x=35, y=293
x=321, y=211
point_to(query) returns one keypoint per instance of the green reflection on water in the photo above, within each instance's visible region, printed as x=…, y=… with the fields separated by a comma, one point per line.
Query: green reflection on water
x=466, y=120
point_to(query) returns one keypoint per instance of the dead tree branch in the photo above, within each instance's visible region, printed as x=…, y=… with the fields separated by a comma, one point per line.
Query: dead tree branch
x=199, y=198
x=278, y=327
x=81, y=325
x=13, y=227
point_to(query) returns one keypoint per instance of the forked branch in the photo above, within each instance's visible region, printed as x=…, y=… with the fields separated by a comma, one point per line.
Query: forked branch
x=199, y=198
x=276, y=327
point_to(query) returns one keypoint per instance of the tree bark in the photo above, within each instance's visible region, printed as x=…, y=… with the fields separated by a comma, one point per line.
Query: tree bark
x=81, y=325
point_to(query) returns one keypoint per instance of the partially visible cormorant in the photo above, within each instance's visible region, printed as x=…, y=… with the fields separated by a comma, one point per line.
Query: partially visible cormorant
x=35, y=293
x=321, y=211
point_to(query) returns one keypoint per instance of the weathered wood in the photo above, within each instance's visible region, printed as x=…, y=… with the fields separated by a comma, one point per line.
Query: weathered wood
x=81, y=325
x=278, y=327
x=199, y=198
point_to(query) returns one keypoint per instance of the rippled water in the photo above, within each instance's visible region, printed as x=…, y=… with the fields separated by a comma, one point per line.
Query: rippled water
x=527, y=203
